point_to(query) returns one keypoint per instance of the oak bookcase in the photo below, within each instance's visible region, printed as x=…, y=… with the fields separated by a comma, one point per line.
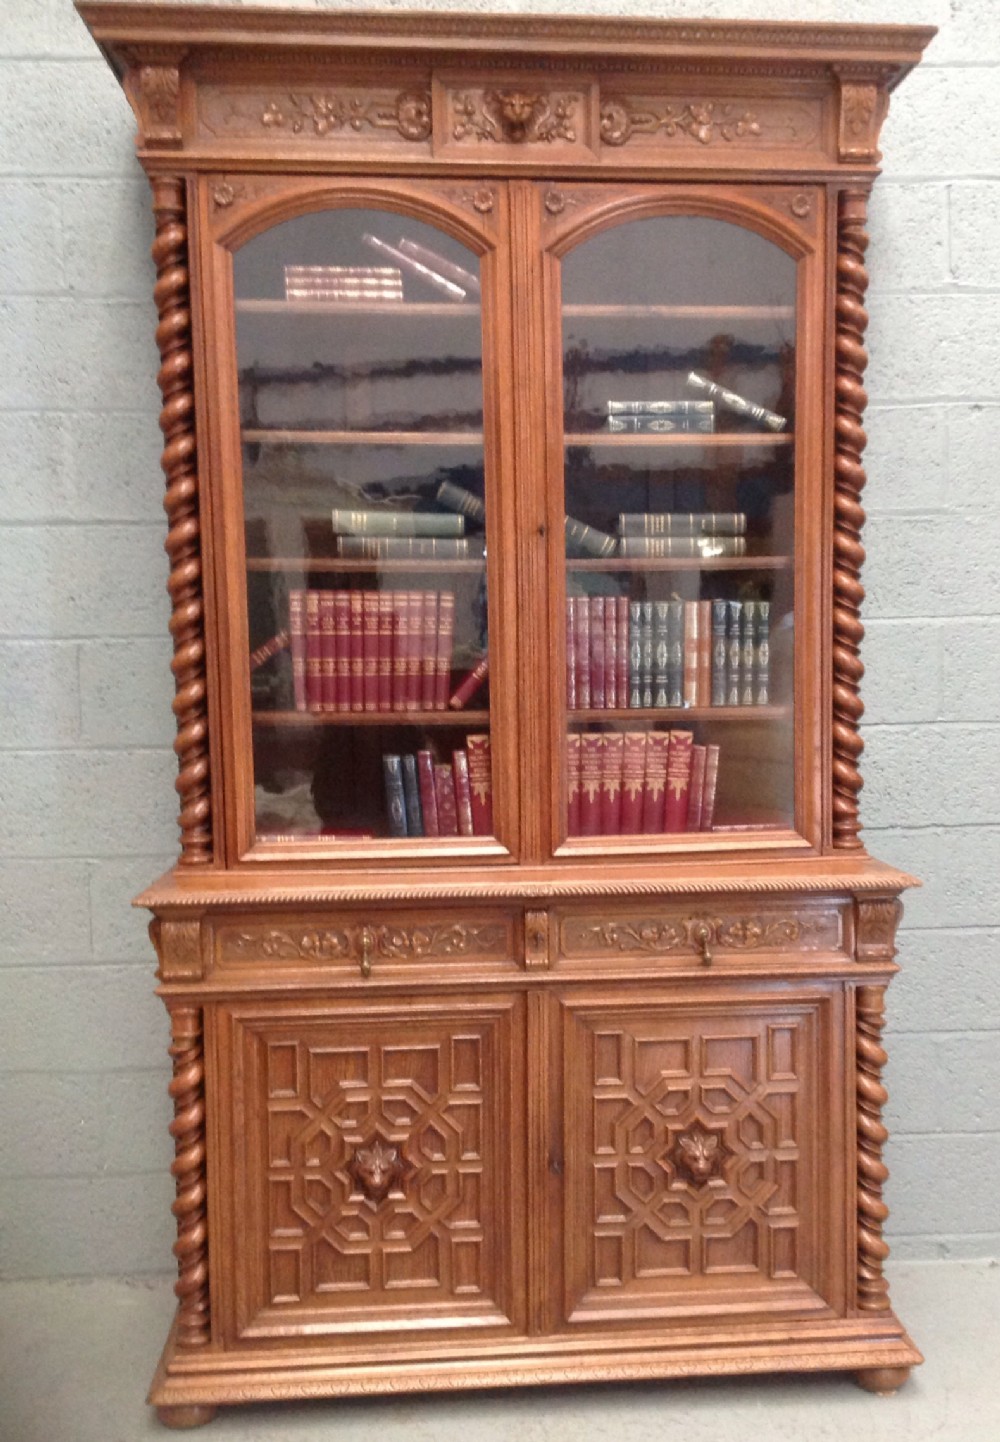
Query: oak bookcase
x=582, y=1092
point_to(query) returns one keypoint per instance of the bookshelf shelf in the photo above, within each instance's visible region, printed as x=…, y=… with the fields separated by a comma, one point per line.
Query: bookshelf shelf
x=718, y=440
x=305, y=719
x=681, y=563
x=272, y=436
x=436, y=963
x=390, y=565
x=675, y=715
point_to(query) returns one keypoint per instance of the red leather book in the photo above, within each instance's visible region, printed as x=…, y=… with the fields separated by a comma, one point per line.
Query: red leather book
x=263, y=653
x=297, y=644
x=369, y=649
x=428, y=799
x=414, y=642
x=621, y=650
x=678, y=781
x=611, y=653
x=633, y=782
x=655, y=783
x=477, y=746
x=583, y=652
x=469, y=684
x=342, y=641
x=597, y=693
x=384, y=696
x=704, y=653
x=445, y=645
x=698, y=757
x=612, y=755
x=314, y=654
x=573, y=784
x=691, y=619
x=355, y=649
x=711, y=785
x=570, y=653
x=400, y=630
x=591, y=749
x=328, y=651
x=429, y=652
x=444, y=796
x=463, y=792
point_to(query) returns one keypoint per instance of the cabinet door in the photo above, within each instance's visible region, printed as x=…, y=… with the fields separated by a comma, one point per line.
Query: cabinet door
x=704, y=1155
x=375, y=1164
x=364, y=526
x=686, y=460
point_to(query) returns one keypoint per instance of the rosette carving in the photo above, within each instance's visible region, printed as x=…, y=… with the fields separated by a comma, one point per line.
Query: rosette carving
x=849, y=517
x=183, y=543
x=188, y=1170
x=873, y=1289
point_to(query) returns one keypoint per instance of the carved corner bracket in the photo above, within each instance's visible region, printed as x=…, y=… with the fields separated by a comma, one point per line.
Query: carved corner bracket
x=863, y=105
x=153, y=87
x=876, y=920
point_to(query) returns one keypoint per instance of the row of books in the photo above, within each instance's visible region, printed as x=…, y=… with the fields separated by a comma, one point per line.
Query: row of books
x=662, y=417
x=425, y=797
x=371, y=650
x=642, y=655
x=375, y=283
x=639, y=783
x=412, y=535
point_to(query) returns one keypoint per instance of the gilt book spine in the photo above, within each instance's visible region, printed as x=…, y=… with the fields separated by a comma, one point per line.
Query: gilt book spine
x=583, y=652
x=675, y=654
x=661, y=654
x=590, y=783
x=400, y=640
x=463, y=792
x=411, y=548
x=445, y=645
x=682, y=523
x=369, y=650
x=571, y=653
x=681, y=547
x=397, y=523
x=356, y=651
x=678, y=781
x=297, y=645
x=342, y=637
x=734, y=613
x=588, y=539
x=414, y=643
x=444, y=796
x=635, y=655
x=428, y=800
x=469, y=684
x=696, y=794
x=691, y=647
x=598, y=698
x=646, y=654
x=704, y=653
x=655, y=782
x=573, y=784
x=747, y=622
x=457, y=498
x=610, y=653
x=411, y=794
x=328, y=650
x=314, y=653
x=260, y=655
x=762, y=655
x=718, y=653
x=612, y=756
x=711, y=786
x=621, y=650
x=633, y=782
x=395, y=800
x=428, y=652
x=477, y=746
x=385, y=640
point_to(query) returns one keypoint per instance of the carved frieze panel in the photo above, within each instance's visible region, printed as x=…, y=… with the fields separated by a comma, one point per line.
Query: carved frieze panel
x=705, y=122
x=693, y=1162
x=375, y=1165
x=523, y=117
x=586, y=934
x=357, y=938
x=335, y=115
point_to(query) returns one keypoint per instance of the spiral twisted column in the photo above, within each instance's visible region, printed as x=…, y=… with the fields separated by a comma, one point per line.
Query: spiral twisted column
x=849, y=480
x=873, y=1289
x=188, y=1169
x=183, y=543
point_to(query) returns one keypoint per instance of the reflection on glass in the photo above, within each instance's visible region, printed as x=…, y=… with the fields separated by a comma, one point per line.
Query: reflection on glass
x=679, y=409
x=360, y=373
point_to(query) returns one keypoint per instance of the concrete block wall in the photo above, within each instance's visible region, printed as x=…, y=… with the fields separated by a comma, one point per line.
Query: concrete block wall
x=86, y=772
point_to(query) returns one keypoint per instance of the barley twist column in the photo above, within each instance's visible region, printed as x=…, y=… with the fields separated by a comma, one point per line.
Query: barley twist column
x=849, y=480
x=188, y=1169
x=873, y=1289
x=183, y=544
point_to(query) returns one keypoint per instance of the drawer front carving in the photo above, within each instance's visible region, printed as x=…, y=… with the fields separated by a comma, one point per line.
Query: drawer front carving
x=374, y=1165
x=699, y=936
x=692, y=1137
x=367, y=941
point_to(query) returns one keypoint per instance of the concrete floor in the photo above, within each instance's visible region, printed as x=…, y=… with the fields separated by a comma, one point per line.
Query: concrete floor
x=75, y=1359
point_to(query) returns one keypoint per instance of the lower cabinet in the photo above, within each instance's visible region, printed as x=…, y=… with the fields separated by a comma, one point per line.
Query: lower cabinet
x=374, y=1159
x=704, y=1153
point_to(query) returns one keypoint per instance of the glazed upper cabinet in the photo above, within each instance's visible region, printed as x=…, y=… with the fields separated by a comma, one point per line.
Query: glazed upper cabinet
x=524, y=963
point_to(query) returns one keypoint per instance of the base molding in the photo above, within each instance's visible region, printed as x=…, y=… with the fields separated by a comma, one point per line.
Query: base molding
x=211, y=1376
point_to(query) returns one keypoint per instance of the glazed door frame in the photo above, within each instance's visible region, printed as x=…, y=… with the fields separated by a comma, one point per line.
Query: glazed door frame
x=274, y=200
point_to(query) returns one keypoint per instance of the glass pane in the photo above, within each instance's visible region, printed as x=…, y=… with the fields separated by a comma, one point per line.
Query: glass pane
x=360, y=372
x=679, y=381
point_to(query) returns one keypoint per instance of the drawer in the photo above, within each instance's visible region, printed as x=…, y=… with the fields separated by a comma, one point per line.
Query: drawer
x=369, y=943
x=686, y=935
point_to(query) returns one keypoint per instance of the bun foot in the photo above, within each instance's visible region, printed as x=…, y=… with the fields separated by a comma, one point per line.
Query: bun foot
x=182, y=1417
x=882, y=1380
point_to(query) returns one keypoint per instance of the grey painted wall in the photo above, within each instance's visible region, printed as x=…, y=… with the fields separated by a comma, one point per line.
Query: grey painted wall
x=86, y=772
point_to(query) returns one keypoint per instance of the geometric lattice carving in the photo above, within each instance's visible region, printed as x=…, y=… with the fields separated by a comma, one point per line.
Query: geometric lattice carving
x=375, y=1166
x=696, y=1150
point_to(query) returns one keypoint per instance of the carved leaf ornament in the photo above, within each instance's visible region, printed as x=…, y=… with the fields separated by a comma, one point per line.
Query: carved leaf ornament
x=409, y=114
x=703, y=121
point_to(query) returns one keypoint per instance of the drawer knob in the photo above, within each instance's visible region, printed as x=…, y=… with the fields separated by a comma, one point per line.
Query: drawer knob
x=367, y=940
x=701, y=935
